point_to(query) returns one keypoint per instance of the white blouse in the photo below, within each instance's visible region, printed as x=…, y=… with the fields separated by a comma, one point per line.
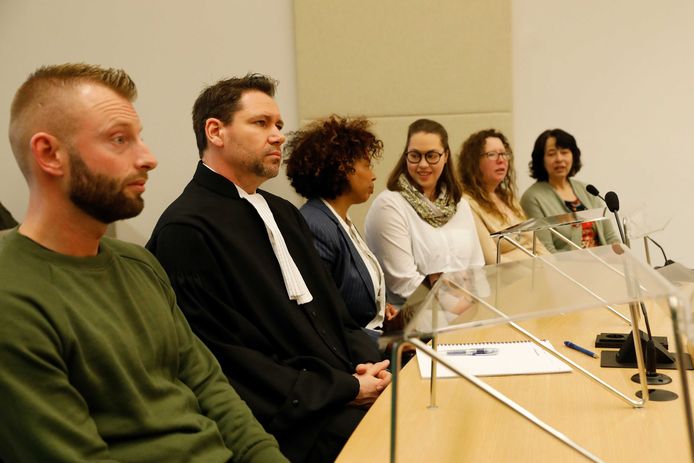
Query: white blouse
x=409, y=249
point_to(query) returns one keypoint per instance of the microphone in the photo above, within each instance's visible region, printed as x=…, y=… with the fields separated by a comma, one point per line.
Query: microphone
x=612, y=202
x=594, y=191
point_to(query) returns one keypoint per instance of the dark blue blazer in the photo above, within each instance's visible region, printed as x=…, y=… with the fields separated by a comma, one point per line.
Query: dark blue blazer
x=342, y=260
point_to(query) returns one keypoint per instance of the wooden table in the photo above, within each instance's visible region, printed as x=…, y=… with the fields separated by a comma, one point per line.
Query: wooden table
x=468, y=425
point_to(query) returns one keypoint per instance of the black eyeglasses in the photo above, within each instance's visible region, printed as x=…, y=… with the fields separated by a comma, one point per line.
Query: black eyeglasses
x=431, y=157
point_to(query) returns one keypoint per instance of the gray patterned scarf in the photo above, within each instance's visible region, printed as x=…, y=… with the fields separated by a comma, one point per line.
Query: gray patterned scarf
x=436, y=213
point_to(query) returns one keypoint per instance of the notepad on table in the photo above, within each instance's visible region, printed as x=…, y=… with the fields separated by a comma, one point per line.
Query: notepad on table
x=509, y=358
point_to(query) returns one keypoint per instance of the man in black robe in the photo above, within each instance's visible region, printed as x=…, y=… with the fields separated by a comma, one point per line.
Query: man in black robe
x=248, y=278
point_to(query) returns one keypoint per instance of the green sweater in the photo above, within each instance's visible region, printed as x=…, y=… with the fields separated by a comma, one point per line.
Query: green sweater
x=540, y=200
x=98, y=364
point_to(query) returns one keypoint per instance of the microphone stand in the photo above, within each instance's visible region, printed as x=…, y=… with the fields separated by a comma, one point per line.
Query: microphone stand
x=667, y=261
x=653, y=350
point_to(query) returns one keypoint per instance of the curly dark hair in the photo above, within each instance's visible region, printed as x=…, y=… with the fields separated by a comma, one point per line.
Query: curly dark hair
x=564, y=140
x=320, y=156
x=447, y=178
x=470, y=174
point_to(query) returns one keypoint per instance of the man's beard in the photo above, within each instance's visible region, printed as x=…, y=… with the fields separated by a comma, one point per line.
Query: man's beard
x=99, y=196
x=259, y=169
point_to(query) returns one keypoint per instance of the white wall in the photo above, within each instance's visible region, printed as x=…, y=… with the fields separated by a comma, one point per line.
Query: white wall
x=619, y=75
x=616, y=74
x=170, y=49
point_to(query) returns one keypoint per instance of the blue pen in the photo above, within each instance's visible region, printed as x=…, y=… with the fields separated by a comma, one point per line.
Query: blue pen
x=474, y=351
x=580, y=349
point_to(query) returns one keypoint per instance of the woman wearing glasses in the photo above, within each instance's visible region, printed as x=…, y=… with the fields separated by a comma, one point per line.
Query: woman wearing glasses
x=485, y=165
x=555, y=159
x=420, y=227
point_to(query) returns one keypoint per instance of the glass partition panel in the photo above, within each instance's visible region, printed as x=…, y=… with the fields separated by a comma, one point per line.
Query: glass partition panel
x=542, y=223
x=538, y=287
x=683, y=279
x=535, y=287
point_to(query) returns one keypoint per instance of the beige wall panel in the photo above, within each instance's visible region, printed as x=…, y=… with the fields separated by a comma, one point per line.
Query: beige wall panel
x=393, y=131
x=395, y=57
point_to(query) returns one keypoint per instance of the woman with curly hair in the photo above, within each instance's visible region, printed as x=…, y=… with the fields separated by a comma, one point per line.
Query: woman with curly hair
x=329, y=163
x=556, y=158
x=420, y=227
x=485, y=166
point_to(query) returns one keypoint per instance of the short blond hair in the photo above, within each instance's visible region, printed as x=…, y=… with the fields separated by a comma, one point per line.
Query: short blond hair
x=43, y=102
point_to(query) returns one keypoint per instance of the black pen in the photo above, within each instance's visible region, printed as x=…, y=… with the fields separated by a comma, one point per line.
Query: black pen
x=580, y=349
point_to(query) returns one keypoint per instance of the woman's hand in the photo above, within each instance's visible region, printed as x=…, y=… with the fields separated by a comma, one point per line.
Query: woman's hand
x=433, y=278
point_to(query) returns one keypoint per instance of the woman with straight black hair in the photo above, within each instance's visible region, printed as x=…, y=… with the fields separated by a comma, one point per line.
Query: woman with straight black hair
x=556, y=158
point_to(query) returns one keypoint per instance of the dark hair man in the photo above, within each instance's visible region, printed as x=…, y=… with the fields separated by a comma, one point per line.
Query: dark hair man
x=247, y=276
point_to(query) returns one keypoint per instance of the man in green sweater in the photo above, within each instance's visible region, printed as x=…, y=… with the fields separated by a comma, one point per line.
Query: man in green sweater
x=98, y=363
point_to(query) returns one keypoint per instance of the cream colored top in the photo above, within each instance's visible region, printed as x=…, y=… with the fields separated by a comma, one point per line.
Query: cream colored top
x=487, y=223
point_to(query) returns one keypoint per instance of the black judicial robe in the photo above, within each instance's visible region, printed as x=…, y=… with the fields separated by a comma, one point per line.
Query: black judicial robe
x=291, y=363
